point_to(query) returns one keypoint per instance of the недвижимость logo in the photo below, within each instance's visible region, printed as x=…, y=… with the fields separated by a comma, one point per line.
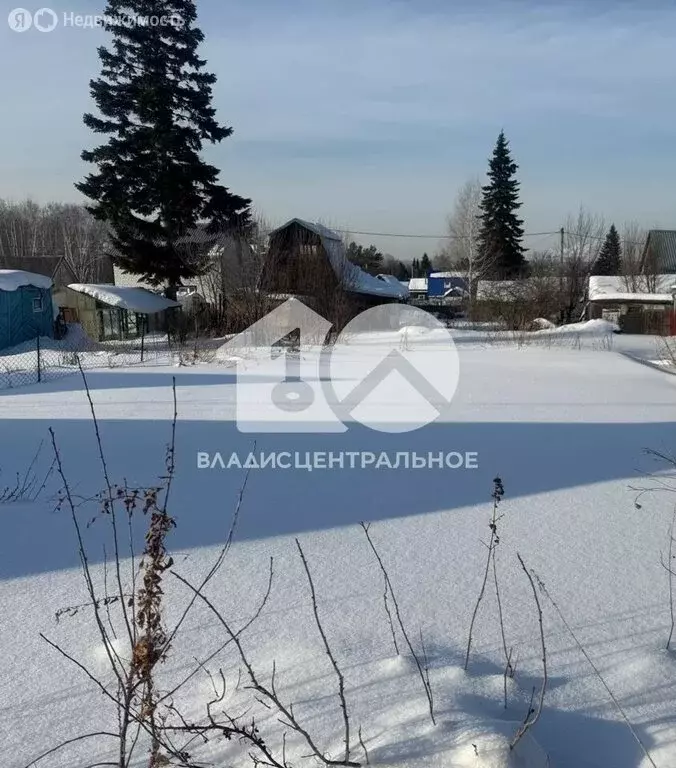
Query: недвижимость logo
x=21, y=20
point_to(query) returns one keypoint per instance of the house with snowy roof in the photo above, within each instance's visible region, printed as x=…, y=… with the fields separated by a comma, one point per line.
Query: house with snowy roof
x=308, y=261
x=109, y=312
x=26, y=310
x=638, y=303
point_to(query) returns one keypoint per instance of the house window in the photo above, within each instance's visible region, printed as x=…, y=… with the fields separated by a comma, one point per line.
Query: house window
x=37, y=305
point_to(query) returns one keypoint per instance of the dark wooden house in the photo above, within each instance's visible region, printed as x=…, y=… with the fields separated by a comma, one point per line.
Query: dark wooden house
x=308, y=261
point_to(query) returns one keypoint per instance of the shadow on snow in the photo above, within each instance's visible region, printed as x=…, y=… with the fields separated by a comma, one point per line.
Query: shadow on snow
x=531, y=457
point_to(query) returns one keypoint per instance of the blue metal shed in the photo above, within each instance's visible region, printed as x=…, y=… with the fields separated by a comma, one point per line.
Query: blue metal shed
x=26, y=310
x=439, y=283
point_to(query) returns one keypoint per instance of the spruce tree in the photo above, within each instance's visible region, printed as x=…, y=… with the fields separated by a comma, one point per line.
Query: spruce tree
x=151, y=185
x=501, y=231
x=609, y=260
x=425, y=265
x=402, y=272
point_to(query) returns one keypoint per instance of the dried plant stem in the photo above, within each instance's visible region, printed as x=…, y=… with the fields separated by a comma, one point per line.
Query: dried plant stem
x=498, y=492
x=423, y=676
x=222, y=646
x=94, y=735
x=508, y=667
x=219, y=558
x=363, y=746
x=671, y=579
x=268, y=693
x=533, y=715
x=389, y=617
x=596, y=671
x=110, y=506
x=507, y=653
x=329, y=653
x=115, y=662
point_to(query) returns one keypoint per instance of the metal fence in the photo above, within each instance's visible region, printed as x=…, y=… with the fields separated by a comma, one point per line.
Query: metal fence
x=42, y=360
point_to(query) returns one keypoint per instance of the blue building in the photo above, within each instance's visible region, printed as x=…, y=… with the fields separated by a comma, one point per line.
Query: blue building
x=26, y=310
x=440, y=283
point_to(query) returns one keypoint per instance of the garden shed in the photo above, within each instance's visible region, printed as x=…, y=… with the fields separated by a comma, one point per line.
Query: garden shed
x=25, y=307
x=116, y=311
x=641, y=304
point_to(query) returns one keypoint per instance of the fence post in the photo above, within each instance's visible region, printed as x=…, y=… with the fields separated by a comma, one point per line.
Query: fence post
x=196, y=332
x=39, y=359
x=143, y=336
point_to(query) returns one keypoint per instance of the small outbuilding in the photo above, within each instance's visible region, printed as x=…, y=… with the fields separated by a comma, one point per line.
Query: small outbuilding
x=445, y=284
x=26, y=310
x=642, y=304
x=109, y=312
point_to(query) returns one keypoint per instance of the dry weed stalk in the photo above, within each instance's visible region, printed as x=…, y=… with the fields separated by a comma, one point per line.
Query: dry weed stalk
x=422, y=670
x=329, y=653
x=497, y=494
x=595, y=669
x=27, y=485
x=269, y=693
x=533, y=714
x=134, y=695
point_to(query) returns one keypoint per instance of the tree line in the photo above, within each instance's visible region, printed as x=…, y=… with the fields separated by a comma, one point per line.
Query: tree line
x=150, y=191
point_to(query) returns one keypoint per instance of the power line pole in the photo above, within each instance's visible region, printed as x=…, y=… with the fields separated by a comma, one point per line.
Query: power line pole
x=561, y=233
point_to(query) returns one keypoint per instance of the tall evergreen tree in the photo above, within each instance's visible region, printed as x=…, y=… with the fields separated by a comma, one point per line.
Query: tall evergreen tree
x=425, y=265
x=151, y=185
x=402, y=272
x=501, y=231
x=609, y=260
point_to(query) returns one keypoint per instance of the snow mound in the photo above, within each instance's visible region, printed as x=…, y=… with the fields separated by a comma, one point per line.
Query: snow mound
x=488, y=746
x=542, y=324
x=13, y=279
x=587, y=328
x=414, y=330
x=75, y=340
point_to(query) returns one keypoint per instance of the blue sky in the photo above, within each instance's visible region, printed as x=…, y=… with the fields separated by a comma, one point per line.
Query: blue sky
x=369, y=115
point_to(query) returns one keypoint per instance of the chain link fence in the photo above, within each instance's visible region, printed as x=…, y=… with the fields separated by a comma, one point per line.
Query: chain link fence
x=42, y=360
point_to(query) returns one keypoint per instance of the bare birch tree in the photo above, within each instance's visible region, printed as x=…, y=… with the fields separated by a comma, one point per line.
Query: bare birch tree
x=463, y=229
x=583, y=238
x=636, y=275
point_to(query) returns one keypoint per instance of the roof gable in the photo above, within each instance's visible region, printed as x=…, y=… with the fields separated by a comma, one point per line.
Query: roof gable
x=661, y=246
x=352, y=277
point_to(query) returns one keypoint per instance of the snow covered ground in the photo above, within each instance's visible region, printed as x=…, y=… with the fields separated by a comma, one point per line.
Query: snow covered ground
x=564, y=425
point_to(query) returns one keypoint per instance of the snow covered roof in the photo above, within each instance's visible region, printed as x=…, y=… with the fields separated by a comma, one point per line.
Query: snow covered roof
x=13, y=279
x=446, y=275
x=134, y=299
x=352, y=277
x=417, y=284
x=619, y=288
